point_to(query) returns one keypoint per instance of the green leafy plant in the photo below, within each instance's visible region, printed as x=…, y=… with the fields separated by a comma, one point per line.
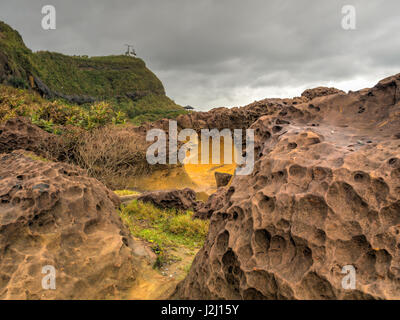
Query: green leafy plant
x=53, y=115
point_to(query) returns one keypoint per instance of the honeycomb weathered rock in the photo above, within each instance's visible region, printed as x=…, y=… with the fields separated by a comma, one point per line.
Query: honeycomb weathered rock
x=53, y=214
x=324, y=193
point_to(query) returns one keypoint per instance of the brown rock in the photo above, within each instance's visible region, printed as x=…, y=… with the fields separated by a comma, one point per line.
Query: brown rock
x=53, y=214
x=214, y=203
x=171, y=199
x=222, y=179
x=320, y=92
x=324, y=194
x=20, y=133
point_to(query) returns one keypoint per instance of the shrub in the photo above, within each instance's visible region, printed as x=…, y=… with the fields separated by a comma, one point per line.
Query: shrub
x=53, y=115
x=109, y=154
x=92, y=137
x=98, y=114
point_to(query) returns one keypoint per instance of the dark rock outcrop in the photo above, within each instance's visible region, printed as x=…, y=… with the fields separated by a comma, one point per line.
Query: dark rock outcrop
x=46, y=92
x=5, y=70
x=324, y=194
x=222, y=179
x=171, y=199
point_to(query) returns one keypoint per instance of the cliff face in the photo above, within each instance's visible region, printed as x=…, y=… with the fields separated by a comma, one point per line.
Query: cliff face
x=324, y=194
x=14, y=55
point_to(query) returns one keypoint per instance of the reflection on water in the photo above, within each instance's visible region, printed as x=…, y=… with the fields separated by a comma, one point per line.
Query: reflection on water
x=199, y=177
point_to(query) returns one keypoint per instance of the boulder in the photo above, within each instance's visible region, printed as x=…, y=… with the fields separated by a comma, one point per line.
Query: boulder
x=171, y=199
x=20, y=133
x=53, y=214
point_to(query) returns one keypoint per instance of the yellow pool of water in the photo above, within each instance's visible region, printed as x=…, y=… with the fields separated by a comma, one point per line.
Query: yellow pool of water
x=200, y=177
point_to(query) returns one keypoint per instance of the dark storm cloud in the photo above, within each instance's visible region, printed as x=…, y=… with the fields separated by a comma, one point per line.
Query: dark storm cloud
x=226, y=52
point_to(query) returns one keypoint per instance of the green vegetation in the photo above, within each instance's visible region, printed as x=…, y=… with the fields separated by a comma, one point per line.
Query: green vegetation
x=103, y=77
x=53, y=116
x=165, y=229
x=150, y=108
x=35, y=157
x=122, y=82
x=126, y=193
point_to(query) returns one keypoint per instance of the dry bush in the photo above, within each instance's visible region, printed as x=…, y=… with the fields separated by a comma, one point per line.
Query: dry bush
x=63, y=148
x=109, y=154
x=112, y=154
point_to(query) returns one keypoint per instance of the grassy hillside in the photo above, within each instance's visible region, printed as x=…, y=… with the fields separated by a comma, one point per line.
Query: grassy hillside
x=103, y=77
x=124, y=82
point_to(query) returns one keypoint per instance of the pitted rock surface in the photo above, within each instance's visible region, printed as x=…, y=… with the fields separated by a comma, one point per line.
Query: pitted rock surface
x=171, y=199
x=20, y=133
x=53, y=214
x=324, y=194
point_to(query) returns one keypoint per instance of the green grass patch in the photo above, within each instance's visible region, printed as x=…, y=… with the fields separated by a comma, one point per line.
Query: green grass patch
x=126, y=193
x=35, y=157
x=165, y=229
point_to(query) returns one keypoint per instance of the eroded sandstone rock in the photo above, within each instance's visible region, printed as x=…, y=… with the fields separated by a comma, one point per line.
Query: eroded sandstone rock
x=324, y=193
x=171, y=199
x=320, y=92
x=215, y=202
x=20, y=133
x=53, y=214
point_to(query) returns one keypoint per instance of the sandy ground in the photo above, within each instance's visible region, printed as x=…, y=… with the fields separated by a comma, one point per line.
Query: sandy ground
x=154, y=284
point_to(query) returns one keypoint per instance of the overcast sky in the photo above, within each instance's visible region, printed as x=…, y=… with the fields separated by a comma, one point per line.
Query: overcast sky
x=213, y=53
